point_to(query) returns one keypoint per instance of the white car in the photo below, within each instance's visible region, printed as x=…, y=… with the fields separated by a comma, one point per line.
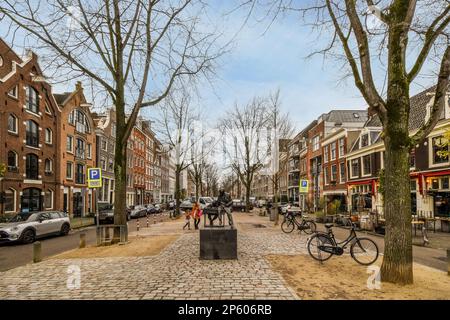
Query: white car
x=205, y=202
x=26, y=227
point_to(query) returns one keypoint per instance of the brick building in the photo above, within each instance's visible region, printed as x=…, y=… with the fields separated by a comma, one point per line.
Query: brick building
x=29, y=118
x=76, y=131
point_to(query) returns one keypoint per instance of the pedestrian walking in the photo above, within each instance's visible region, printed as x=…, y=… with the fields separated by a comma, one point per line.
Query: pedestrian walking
x=187, y=216
x=196, y=214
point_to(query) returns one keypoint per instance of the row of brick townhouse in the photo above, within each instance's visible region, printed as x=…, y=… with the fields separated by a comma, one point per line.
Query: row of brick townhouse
x=50, y=140
x=341, y=155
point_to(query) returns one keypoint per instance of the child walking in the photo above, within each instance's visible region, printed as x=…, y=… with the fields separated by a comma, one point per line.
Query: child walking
x=187, y=216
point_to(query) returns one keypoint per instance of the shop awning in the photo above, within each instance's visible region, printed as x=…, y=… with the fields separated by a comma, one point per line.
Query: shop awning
x=357, y=183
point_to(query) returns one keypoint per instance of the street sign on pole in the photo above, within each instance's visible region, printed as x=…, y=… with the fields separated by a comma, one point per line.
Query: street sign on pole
x=94, y=178
x=304, y=186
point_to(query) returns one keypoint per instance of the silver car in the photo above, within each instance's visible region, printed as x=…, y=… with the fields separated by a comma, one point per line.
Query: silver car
x=28, y=226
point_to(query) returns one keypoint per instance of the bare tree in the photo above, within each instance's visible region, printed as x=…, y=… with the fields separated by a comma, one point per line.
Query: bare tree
x=137, y=51
x=402, y=36
x=211, y=178
x=242, y=128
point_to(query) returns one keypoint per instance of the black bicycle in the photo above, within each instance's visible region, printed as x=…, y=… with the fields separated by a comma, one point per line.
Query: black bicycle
x=291, y=221
x=322, y=246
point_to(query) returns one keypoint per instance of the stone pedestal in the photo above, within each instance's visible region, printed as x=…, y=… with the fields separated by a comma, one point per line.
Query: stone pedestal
x=218, y=243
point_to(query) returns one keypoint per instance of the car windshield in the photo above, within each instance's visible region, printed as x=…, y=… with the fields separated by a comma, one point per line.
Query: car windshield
x=22, y=216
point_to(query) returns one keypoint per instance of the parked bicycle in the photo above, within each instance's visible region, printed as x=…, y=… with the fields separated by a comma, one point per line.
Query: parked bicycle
x=291, y=221
x=323, y=245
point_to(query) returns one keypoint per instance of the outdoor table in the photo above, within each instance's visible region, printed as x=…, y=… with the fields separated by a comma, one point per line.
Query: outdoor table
x=415, y=223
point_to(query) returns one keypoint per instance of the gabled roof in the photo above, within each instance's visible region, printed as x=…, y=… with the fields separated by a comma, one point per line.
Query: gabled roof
x=61, y=97
x=341, y=116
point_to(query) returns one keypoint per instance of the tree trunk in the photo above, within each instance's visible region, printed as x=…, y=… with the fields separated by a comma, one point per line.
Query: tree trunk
x=177, y=190
x=275, y=192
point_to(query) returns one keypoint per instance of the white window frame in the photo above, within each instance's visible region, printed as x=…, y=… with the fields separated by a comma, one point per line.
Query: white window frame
x=331, y=151
x=343, y=147
x=48, y=160
x=325, y=154
x=16, y=90
x=71, y=143
x=47, y=109
x=368, y=139
x=15, y=200
x=340, y=172
x=52, y=197
x=431, y=163
x=49, y=132
x=71, y=171
x=89, y=150
x=351, y=168
x=315, y=143
x=363, y=173
x=16, y=123
x=331, y=173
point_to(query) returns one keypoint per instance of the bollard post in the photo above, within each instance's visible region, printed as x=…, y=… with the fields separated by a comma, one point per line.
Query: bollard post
x=37, y=252
x=82, y=240
x=147, y=221
x=448, y=261
x=137, y=224
x=154, y=219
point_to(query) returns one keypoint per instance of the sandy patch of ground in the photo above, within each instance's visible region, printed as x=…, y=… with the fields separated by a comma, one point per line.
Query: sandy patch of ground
x=342, y=278
x=136, y=247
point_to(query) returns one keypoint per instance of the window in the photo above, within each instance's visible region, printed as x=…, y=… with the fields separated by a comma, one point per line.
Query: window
x=12, y=161
x=72, y=118
x=13, y=92
x=48, y=199
x=69, y=170
x=103, y=164
x=333, y=151
x=413, y=185
x=104, y=145
x=32, y=166
x=12, y=123
x=32, y=134
x=315, y=143
x=341, y=147
x=439, y=146
x=325, y=175
x=79, y=120
x=355, y=168
x=89, y=151
x=48, y=166
x=10, y=200
x=113, y=130
x=111, y=165
x=32, y=100
x=69, y=144
x=412, y=159
x=325, y=154
x=342, y=172
x=333, y=173
x=366, y=165
x=80, y=149
x=48, y=136
x=445, y=183
x=364, y=140
x=79, y=174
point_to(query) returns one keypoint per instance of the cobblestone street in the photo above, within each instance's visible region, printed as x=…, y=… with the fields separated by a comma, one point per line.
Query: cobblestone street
x=176, y=273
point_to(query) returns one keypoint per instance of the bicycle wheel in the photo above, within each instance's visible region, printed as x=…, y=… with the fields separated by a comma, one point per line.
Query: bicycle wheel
x=287, y=226
x=364, y=251
x=309, y=227
x=316, y=242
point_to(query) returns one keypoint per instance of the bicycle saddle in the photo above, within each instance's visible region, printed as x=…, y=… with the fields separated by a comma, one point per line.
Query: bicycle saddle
x=328, y=225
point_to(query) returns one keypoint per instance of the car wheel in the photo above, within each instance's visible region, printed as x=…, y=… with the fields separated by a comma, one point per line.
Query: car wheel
x=65, y=229
x=28, y=236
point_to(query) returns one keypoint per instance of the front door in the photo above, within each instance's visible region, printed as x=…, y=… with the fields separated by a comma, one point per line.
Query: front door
x=77, y=204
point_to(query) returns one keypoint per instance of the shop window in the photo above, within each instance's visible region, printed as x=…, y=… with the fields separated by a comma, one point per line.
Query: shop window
x=445, y=183
x=413, y=185
x=10, y=200
x=435, y=184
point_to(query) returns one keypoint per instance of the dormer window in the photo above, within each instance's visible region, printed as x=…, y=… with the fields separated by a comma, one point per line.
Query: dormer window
x=364, y=140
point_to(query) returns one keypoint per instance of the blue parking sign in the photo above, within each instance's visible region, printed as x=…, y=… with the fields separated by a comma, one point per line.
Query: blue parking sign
x=94, y=178
x=304, y=186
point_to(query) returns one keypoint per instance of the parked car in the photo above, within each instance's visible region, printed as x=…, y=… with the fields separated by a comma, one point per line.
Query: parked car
x=261, y=203
x=205, y=202
x=26, y=227
x=239, y=205
x=151, y=209
x=106, y=214
x=138, y=211
x=187, y=204
x=158, y=207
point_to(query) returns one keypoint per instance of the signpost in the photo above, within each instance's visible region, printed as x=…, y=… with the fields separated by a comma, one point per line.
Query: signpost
x=304, y=186
x=95, y=181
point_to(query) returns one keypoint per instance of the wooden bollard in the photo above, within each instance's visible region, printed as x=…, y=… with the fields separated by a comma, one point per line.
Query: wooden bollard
x=448, y=262
x=137, y=224
x=37, y=252
x=147, y=221
x=82, y=240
